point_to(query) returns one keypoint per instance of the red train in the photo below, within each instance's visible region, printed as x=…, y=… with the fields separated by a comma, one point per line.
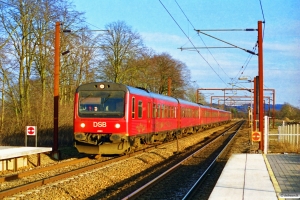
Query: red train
x=112, y=118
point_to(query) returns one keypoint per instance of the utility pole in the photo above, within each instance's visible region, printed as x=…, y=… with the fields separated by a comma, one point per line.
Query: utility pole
x=261, y=84
x=169, y=86
x=55, y=152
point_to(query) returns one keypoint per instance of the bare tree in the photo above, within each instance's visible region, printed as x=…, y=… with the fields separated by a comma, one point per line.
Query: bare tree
x=28, y=31
x=119, y=45
x=164, y=67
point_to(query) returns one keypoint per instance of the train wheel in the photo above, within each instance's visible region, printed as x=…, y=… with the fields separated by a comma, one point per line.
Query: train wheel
x=150, y=139
x=136, y=143
x=128, y=151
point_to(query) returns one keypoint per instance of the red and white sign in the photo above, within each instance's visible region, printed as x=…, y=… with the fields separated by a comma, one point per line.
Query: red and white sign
x=31, y=130
x=256, y=136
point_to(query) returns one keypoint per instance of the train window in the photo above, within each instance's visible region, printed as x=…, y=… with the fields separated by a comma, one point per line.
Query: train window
x=132, y=108
x=158, y=111
x=167, y=111
x=140, y=109
x=108, y=104
x=148, y=110
x=162, y=111
x=174, y=112
x=154, y=111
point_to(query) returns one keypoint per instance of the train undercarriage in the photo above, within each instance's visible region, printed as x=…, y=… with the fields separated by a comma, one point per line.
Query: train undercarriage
x=121, y=144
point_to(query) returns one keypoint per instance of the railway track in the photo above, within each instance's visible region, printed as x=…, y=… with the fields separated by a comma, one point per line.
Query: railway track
x=65, y=175
x=181, y=180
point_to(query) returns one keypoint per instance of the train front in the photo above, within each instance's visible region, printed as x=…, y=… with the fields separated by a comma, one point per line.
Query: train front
x=99, y=118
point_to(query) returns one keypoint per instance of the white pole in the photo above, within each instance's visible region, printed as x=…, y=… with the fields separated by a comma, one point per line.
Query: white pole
x=266, y=133
x=290, y=132
x=279, y=131
x=294, y=136
x=297, y=135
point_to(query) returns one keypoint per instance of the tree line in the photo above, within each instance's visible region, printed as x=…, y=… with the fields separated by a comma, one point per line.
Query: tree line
x=117, y=54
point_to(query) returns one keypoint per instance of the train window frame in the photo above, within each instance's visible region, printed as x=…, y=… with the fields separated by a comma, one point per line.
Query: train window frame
x=140, y=109
x=101, y=104
x=149, y=110
x=133, y=108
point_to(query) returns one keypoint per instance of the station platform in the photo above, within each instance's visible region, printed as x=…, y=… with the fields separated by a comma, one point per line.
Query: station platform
x=256, y=176
x=12, y=157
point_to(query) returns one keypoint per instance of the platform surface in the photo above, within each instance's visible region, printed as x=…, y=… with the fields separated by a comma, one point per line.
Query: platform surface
x=7, y=152
x=286, y=169
x=246, y=177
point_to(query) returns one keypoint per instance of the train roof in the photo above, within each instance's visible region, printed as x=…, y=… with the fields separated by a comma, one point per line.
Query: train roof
x=96, y=86
x=138, y=91
x=144, y=92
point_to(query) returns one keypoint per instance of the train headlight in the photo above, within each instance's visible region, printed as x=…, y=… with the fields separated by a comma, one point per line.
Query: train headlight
x=82, y=125
x=101, y=86
x=117, y=125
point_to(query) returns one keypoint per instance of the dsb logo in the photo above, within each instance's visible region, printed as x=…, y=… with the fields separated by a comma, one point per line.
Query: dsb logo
x=99, y=124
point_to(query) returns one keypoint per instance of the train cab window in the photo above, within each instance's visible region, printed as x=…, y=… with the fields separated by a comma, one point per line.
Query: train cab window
x=140, y=111
x=133, y=108
x=105, y=104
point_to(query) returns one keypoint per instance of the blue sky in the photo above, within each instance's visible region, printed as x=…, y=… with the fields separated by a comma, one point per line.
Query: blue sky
x=218, y=67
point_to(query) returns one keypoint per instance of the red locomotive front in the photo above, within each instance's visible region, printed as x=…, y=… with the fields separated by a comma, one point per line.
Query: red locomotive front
x=99, y=118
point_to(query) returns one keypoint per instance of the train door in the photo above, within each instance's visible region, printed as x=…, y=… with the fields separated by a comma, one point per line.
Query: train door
x=178, y=116
x=149, y=117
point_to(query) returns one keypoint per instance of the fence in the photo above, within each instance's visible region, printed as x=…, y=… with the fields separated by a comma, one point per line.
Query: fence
x=289, y=133
x=286, y=133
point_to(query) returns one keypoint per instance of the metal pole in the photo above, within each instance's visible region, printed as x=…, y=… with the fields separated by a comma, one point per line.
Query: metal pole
x=169, y=86
x=36, y=136
x=261, y=84
x=273, y=108
x=251, y=108
x=55, y=153
x=224, y=100
x=255, y=104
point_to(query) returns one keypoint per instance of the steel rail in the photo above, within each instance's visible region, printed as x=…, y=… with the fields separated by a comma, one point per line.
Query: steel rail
x=42, y=169
x=210, y=166
x=137, y=192
x=45, y=181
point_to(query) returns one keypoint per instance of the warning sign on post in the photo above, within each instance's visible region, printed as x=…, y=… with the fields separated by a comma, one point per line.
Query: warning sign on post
x=256, y=136
x=31, y=130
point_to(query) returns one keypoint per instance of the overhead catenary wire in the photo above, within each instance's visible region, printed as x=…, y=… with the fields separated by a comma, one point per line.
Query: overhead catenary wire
x=262, y=11
x=263, y=15
x=191, y=42
x=251, y=52
x=245, y=65
x=201, y=39
x=233, y=46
